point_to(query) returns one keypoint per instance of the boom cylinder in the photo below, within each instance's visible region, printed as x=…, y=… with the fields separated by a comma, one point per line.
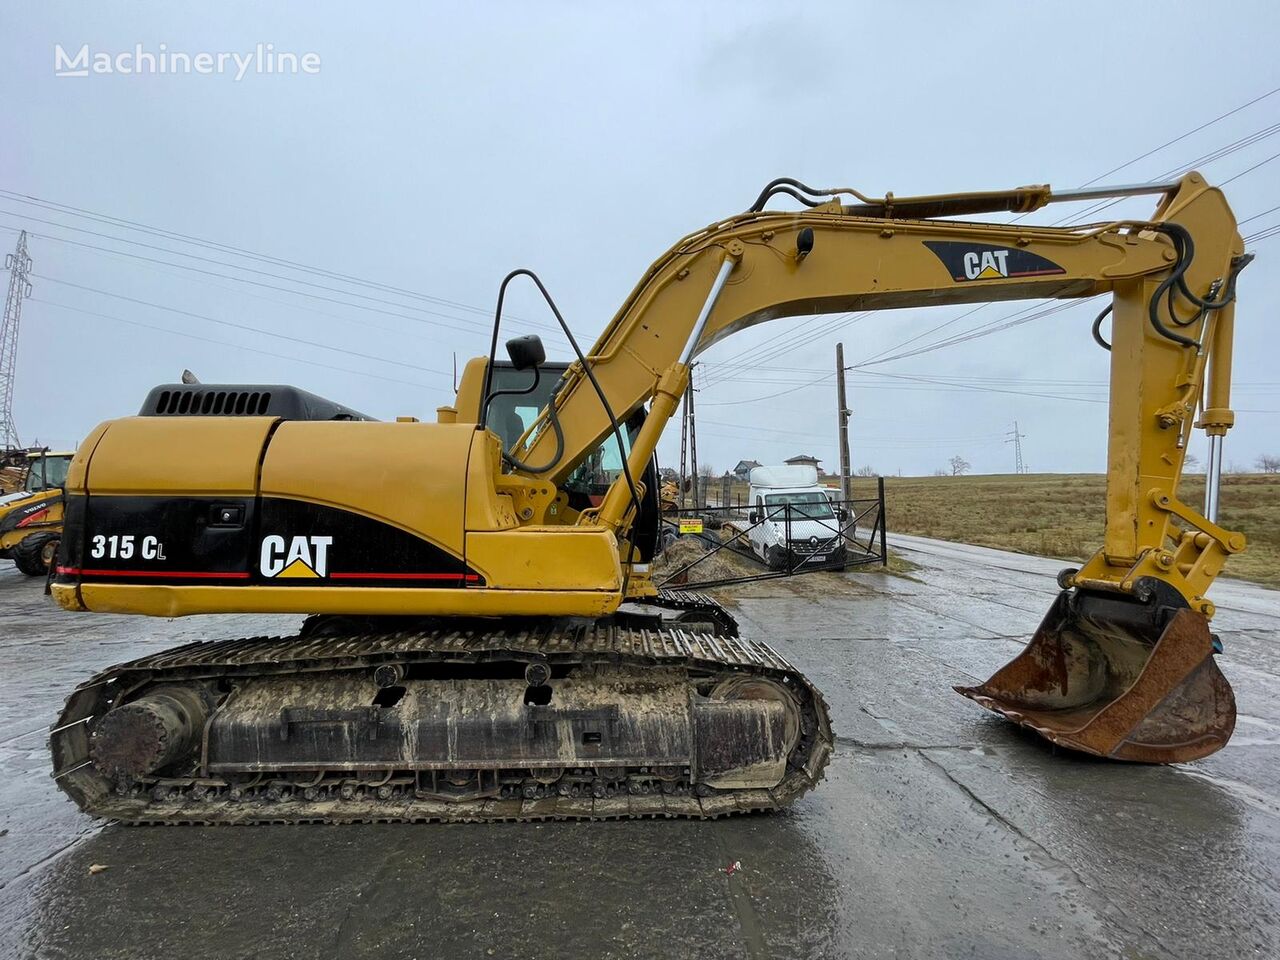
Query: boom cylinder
x=671, y=388
x=1218, y=416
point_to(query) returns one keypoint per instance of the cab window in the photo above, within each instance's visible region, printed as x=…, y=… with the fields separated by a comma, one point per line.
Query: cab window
x=595, y=474
x=45, y=473
x=510, y=416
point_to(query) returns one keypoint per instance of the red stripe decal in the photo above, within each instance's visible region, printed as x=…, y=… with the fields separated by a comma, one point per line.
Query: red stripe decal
x=468, y=577
x=176, y=574
x=213, y=575
x=34, y=517
x=1021, y=273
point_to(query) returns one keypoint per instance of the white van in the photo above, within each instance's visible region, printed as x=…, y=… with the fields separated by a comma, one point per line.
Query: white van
x=793, y=520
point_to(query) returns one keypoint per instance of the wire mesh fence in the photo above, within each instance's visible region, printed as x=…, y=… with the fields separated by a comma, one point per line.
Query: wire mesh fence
x=712, y=546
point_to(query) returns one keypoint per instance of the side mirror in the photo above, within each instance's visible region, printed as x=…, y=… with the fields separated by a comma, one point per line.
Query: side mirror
x=842, y=514
x=753, y=517
x=526, y=352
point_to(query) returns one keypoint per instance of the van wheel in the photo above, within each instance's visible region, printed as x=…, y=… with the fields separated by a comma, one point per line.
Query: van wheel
x=34, y=555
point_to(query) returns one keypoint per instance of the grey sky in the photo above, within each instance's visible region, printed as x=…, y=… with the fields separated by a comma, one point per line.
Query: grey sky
x=441, y=145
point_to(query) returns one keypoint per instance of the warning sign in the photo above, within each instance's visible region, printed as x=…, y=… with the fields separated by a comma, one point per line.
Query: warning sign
x=690, y=526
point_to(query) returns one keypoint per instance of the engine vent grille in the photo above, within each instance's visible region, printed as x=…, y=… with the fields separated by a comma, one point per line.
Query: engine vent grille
x=242, y=400
x=212, y=403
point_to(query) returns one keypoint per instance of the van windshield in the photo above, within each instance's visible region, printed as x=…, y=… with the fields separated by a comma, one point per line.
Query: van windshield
x=805, y=505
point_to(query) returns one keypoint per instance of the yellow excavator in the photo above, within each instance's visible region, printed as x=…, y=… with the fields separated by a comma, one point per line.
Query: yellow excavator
x=31, y=515
x=485, y=641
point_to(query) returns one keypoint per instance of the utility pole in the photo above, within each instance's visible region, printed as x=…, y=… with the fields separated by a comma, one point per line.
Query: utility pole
x=693, y=442
x=19, y=265
x=844, y=424
x=684, y=444
x=1016, y=438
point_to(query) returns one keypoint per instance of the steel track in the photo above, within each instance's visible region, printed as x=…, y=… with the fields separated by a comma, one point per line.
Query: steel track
x=584, y=644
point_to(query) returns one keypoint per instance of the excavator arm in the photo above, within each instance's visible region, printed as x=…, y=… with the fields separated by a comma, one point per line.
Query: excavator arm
x=833, y=258
x=1122, y=665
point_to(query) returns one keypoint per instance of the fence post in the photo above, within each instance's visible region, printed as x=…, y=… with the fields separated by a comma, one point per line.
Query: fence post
x=786, y=545
x=884, y=547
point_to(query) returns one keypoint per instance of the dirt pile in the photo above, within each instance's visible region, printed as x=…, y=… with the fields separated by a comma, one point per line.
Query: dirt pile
x=703, y=566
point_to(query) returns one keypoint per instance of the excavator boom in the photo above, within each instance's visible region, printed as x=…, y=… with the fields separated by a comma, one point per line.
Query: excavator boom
x=486, y=630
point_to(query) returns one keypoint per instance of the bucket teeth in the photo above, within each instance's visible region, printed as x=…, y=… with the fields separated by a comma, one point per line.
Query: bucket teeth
x=1101, y=680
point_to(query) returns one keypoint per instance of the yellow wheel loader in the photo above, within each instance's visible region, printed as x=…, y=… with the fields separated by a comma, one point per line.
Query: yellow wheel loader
x=484, y=640
x=31, y=517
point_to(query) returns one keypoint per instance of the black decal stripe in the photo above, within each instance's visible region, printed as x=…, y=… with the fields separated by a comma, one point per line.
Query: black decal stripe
x=1018, y=262
x=364, y=552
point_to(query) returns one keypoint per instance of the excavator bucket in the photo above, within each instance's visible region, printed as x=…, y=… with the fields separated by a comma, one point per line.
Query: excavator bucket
x=1118, y=678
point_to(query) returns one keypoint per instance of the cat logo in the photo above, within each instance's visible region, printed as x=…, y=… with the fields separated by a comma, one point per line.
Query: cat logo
x=985, y=261
x=297, y=558
x=986, y=264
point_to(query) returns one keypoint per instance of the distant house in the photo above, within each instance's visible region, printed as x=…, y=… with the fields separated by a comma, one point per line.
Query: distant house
x=804, y=460
x=743, y=470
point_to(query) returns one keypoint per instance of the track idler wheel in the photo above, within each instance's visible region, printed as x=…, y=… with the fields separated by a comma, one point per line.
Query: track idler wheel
x=148, y=734
x=1118, y=678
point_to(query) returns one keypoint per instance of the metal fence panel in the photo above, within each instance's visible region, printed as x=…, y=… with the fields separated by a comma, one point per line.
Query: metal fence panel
x=780, y=541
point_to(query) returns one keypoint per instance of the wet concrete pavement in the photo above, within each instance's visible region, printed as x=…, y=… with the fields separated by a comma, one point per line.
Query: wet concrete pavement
x=940, y=830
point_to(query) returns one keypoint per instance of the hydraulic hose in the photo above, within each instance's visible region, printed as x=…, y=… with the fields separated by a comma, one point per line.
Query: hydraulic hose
x=1097, y=327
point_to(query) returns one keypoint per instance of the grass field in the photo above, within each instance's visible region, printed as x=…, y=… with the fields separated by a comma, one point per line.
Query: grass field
x=1061, y=515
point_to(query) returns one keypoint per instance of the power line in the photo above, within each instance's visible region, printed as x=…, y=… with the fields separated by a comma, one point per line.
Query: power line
x=875, y=358
x=1249, y=169
x=364, y=325
x=241, y=326
x=982, y=389
x=782, y=393
x=818, y=327
x=233, y=266
x=752, y=427
x=984, y=330
x=237, y=251
x=1221, y=152
x=223, y=343
x=1168, y=143
x=1266, y=234
x=1241, y=223
x=1211, y=157
x=224, y=276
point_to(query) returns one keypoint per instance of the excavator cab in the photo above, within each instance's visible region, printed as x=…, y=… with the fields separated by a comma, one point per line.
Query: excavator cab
x=516, y=400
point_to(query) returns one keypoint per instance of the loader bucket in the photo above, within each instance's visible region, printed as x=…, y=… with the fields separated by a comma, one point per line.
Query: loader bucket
x=1118, y=678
